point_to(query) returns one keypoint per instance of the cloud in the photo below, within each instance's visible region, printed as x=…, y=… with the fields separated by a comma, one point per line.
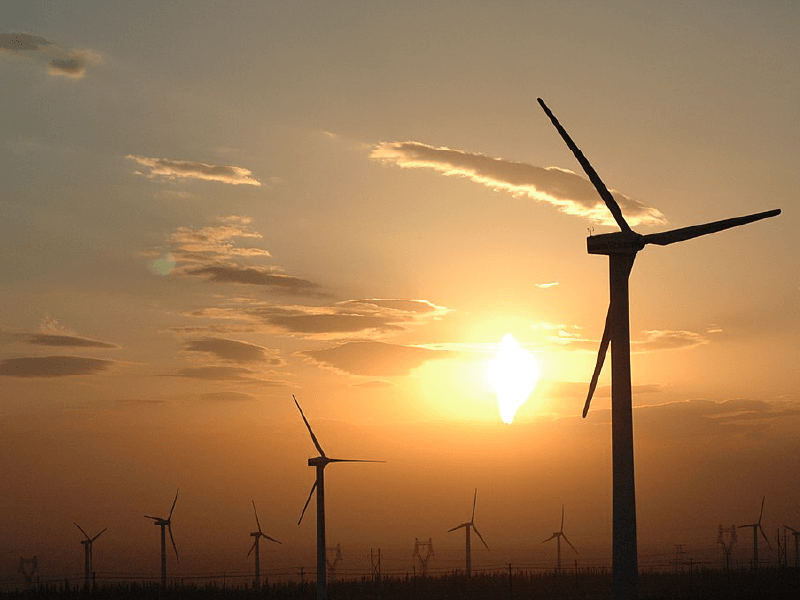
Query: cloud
x=654, y=340
x=186, y=169
x=42, y=339
x=545, y=286
x=67, y=62
x=221, y=373
x=567, y=191
x=52, y=366
x=222, y=397
x=264, y=276
x=371, y=317
x=233, y=351
x=375, y=359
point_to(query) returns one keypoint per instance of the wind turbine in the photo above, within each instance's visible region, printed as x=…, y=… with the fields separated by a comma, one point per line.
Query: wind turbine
x=168, y=524
x=467, y=526
x=621, y=248
x=258, y=535
x=319, y=463
x=756, y=528
x=87, y=554
x=558, y=535
x=796, y=535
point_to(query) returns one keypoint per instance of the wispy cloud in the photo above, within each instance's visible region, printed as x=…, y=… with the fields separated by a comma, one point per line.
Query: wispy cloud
x=223, y=373
x=545, y=286
x=66, y=62
x=564, y=189
x=52, y=366
x=375, y=359
x=653, y=341
x=42, y=339
x=233, y=351
x=168, y=168
x=351, y=318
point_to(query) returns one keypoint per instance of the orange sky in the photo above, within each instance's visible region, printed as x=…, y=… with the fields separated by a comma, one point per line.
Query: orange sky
x=207, y=211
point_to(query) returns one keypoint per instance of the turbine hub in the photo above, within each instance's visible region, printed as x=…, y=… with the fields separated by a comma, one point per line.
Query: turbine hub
x=619, y=242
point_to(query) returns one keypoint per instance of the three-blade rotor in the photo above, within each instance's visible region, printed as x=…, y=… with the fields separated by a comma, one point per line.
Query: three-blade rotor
x=168, y=523
x=560, y=533
x=757, y=525
x=471, y=523
x=627, y=241
x=88, y=539
x=258, y=534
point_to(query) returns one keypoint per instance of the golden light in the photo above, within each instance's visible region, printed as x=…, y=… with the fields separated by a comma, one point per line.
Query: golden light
x=513, y=374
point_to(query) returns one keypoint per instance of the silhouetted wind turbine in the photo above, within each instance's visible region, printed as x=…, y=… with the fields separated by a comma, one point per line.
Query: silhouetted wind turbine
x=621, y=248
x=796, y=535
x=467, y=526
x=756, y=528
x=558, y=535
x=319, y=463
x=258, y=535
x=87, y=554
x=168, y=524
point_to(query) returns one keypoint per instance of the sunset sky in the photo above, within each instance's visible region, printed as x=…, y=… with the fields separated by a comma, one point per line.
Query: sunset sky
x=209, y=207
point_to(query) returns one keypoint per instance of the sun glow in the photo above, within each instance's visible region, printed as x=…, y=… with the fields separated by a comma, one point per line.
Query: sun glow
x=513, y=374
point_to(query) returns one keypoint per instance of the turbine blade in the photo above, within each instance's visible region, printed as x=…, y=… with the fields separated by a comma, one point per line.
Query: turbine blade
x=761, y=514
x=271, y=539
x=693, y=231
x=313, y=487
x=475, y=529
x=458, y=527
x=330, y=460
x=173, y=504
x=82, y=531
x=548, y=539
x=313, y=437
x=474, y=500
x=253, y=547
x=256, y=513
x=598, y=184
x=154, y=518
x=766, y=539
x=570, y=543
x=601, y=357
x=98, y=535
x=172, y=539
x=791, y=529
x=562, y=519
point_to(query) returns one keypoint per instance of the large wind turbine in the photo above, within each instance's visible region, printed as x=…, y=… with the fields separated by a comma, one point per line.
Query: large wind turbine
x=258, y=535
x=319, y=463
x=621, y=248
x=558, y=535
x=87, y=554
x=756, y=528
x=467, y=527
x=168, y=524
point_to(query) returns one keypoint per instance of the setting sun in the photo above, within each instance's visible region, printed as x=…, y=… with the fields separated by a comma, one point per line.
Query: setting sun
x=513, y=374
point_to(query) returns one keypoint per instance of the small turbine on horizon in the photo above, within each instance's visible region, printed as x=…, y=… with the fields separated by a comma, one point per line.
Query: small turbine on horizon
x=87, y=554
x=796, y=535
x=319, y=463
x=558, y=535
x=467, y=527
x=166, y=523
x=258, y=535
x=621, y=248
x=756, y=528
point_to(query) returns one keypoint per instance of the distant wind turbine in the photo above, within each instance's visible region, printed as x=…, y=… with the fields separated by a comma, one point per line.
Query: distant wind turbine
x=558, y=535
x=87, y=554
x=756, y=528
x=467, y=527
x=258, y=535
x=621, y=248
x=796, y=535
x=319, y=463
x=168, y=524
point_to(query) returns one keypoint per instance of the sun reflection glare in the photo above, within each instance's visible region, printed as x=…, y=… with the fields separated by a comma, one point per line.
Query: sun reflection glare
x=513, y=374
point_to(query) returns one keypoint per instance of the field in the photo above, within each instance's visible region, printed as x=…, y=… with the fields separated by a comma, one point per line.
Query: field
x=773, y=584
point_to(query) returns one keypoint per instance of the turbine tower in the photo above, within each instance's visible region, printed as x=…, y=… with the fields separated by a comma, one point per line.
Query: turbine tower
x=558, y=535
x=319, y=463
x=168, y=524
x=87, y=554
x=621, y=248
x=467, y=526
x=756, y=528
x=258, y=535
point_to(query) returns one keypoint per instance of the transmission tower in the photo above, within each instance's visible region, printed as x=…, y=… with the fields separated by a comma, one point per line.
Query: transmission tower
x=337, y=556
x=423, y=551
x=375, y=560
x=727, y=548
x=28, y=568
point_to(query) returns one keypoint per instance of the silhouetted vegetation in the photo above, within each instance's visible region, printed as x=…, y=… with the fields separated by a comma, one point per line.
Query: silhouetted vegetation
x=702, y=584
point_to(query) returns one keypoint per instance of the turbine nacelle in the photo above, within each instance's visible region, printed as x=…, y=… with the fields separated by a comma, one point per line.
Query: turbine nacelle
x=618, y=242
